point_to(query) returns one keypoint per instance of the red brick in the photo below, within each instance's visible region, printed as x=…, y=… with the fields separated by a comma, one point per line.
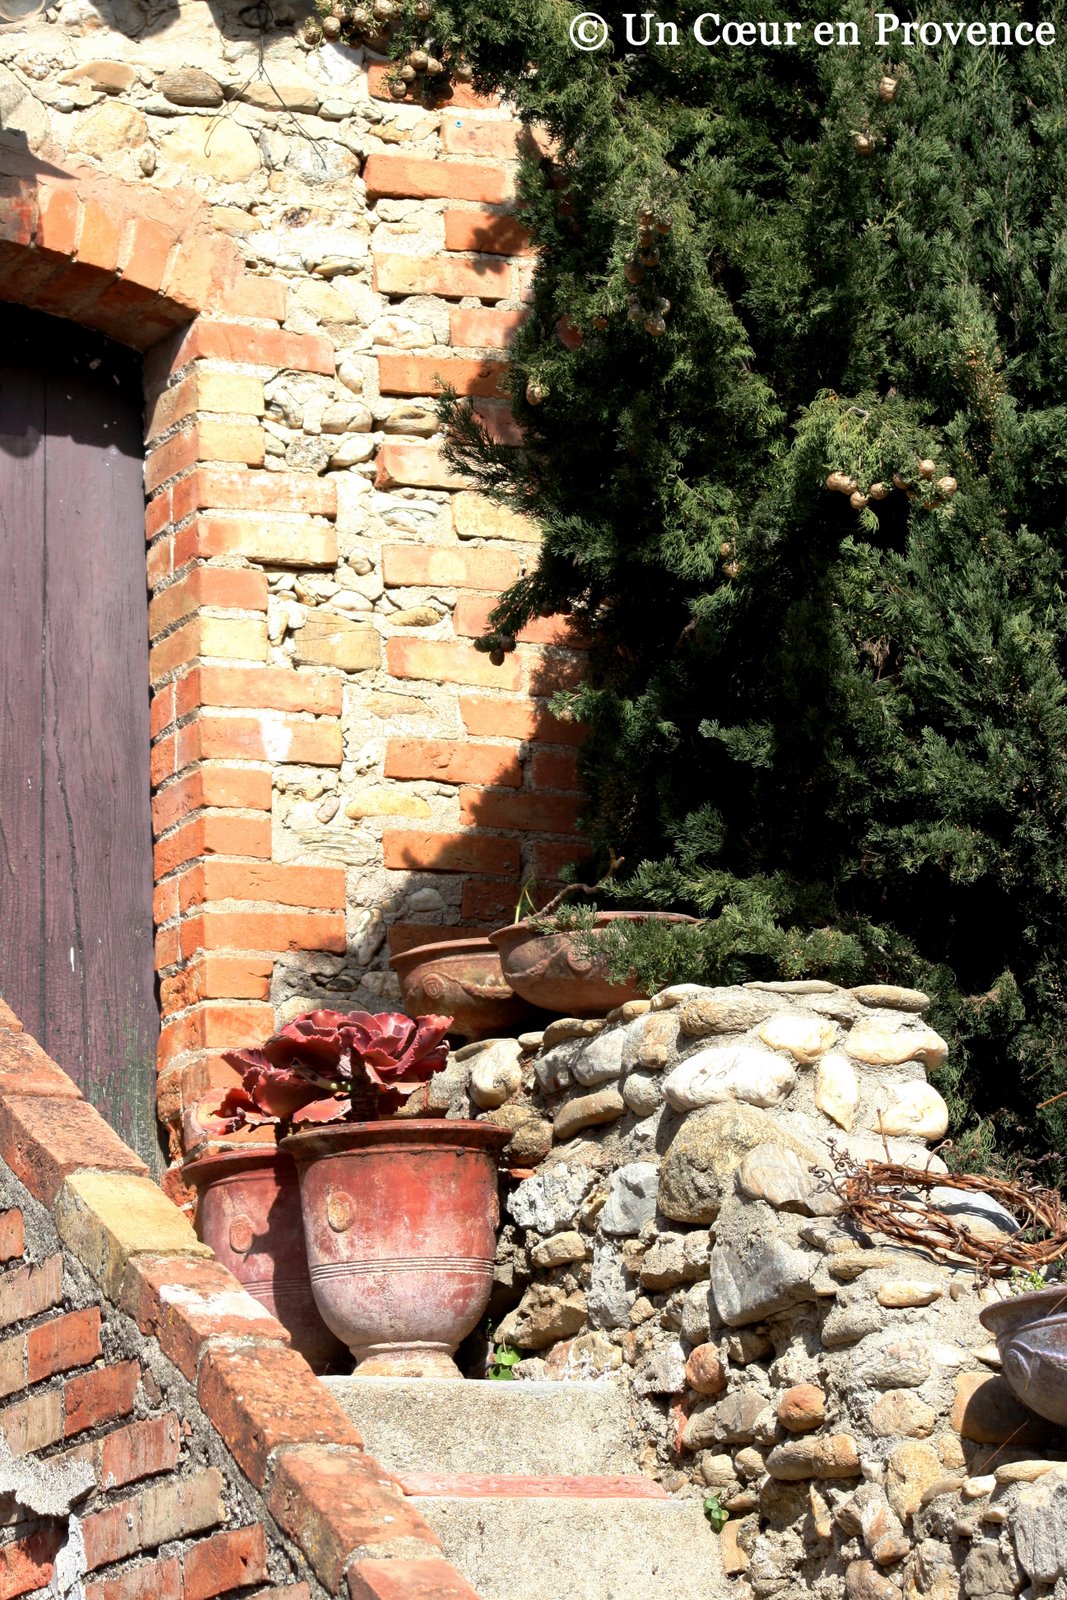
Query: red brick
x=471, y=621
x=443, y=662
x=290, y=1591
x=267, y=539
x=160, y=1580
x=265, y=1398
x=167, y=460
x=268, y=688
x=516, y=719
x=101, y=234
x=333, y=1503
x=405, y=177
x=421, y=466
x=100, y=1396
x=29, y=1290
x=217, y=977
x=267, y=347
x=13, y=1364
x=530, y=813
x=27, y=1563
x=452, y=277
x=476, y=327
x=316, y=888
x=43, y=1140
x=235, y=590
x=57, y=218
x=231, y=489
x=149, y=253
x=550, y=673
x=497, y=421
x=164, y=1511
x=139, y=1451
x=406, y=566
x=225, y=1561
x=217, y=1023
x=212, y=784
x=496, y=137
x=487, y=232
x=226, y=834
x=486, y=902
x=72, y=1340
x=258, y=738
x=432, y=1579
x=31, y=1425
x=184, y=1303
x=262, y=931
x=555, y=769
x=203, y=269
x=452, y=761
x=405, y=374
x=550, y=856
x=12, y=1230
x=449, y=852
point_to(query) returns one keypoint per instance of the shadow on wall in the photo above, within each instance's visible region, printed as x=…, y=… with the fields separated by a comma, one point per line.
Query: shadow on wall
x=233, y=19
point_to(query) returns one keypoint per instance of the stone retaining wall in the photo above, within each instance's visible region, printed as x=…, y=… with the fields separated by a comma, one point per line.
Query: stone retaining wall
x=338, y=773
x=835, y=1393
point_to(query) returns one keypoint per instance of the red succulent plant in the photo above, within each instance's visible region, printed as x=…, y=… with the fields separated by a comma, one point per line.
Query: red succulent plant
x=329, y=1066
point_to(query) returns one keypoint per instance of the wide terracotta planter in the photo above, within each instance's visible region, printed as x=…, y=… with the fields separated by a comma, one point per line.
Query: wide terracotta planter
x=1031, y=1335
x=248, y=1211
x=400, y=1219
x=463, y=979
x=549, y=971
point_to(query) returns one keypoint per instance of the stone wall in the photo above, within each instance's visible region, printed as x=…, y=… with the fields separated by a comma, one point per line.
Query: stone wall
x=338, y=773
x=158, y=1437
x=834, y=1392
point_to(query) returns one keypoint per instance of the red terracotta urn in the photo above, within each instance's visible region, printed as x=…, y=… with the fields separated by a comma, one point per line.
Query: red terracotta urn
x=553, y=971
x=400, y=1218
x=248, y=1211
x=463, y=979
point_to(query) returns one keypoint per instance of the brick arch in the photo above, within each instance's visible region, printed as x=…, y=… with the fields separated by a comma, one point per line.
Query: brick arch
x=133, y=262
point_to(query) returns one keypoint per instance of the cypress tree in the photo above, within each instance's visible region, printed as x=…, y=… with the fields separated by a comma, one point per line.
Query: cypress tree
x=793, y=388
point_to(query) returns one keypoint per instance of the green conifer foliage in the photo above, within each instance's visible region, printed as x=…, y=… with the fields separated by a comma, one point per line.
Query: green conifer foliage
x=834, y=727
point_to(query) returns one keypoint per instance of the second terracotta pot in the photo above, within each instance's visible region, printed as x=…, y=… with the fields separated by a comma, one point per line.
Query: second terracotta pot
x=463, y=979
x=400, y=1219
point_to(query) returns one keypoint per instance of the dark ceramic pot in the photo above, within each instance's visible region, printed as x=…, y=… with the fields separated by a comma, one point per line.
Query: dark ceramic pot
x=548, y=970
x=1031, y=1335
x=248, y=1211
x=463, y=979
x=400, y=1219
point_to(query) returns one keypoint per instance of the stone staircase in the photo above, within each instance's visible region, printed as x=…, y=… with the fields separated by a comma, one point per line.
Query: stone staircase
x=532, y=1488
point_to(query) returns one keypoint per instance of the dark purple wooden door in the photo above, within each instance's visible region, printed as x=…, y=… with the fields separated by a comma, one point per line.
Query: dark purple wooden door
x=75, y=828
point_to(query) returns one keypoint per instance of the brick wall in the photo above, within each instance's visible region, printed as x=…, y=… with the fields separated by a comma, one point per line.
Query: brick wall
x=163, y=1439
x=338, y=773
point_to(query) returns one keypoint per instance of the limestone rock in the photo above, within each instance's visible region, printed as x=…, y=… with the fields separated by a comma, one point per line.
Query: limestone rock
x=837, y=1090
x=496, y=1074
x=879, y=1044
x=411, y=419
x=913, y=1110
x=599, y=1060
x=804, y=1038
x=723, y=1011
x=643, y=1094
x=329, y=639
x=990, y=1569
x=758, y=1275
x=891, y=1361
x=530, y=1143
x=550, y=1201
x=220, y=149
x=189, y=86
x=387, y=800
x=1027, y=1471
x=285, y=90
x=705, y=1151
x=892, y=997
x=1041, y=1530
x=737, y=1072
x=863, y=1581
x=610, y=1294
x=415, y=617
x=900, y=1412
x=114, y=127
x=662, y=1372
x=544, y=1315
x=986, y=1411
x=900, y=1293
x=559, y=1250
x=113, y=77
x=704, y=1372
x=664, y=1265
x=729, y=1421
x=802, y=1408
x=631, y=1202
x=911, y=1469
x=588, y=1111
x=772, y=1173
x=832, y=1455
x=848, y=1324
x=562, y=1028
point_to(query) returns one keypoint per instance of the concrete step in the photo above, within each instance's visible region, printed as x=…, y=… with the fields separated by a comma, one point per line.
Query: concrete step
x=494, y=1485
x=464, y=1425
x=512, y=1547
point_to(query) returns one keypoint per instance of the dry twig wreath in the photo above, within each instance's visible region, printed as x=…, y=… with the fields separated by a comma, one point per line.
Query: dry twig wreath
x=887, y=1198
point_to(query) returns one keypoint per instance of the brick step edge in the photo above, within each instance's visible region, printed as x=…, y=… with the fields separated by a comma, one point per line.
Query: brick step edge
x=507, y=1486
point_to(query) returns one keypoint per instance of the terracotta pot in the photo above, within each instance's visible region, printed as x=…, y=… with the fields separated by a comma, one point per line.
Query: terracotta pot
x=400, y=1219
x=1031, y=1335
x=460, y=978
x=248, y=1211
x=548, y=971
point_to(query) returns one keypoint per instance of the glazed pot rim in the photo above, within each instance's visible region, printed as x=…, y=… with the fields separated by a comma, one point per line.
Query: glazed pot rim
x=202, y=1168
x=396, y=1131
x=449, y=946
x=526, y=927
x=1020, y=1310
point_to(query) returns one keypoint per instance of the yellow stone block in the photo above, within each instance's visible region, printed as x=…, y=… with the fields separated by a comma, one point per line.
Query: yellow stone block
x=107, y=1217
